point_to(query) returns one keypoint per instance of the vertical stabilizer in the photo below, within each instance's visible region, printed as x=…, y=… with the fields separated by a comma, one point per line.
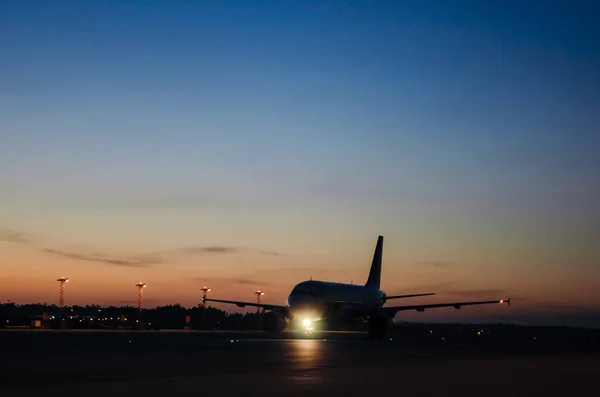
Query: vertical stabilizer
x=374, y=279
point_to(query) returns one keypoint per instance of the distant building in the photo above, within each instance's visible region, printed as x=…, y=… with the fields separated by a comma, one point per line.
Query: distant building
x=40, y=320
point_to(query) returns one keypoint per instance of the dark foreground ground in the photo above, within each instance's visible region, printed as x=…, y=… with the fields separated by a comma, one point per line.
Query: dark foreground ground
x=86, y=363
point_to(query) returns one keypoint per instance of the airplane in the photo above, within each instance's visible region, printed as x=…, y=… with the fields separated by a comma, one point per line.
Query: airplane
x=313, y=301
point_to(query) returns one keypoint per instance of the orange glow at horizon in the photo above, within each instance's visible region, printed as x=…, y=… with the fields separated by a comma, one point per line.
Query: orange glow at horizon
x=29, y=277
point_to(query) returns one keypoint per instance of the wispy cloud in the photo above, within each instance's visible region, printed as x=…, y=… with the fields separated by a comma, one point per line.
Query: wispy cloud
x=147, y=260
x=249, y=282
x=140, y=261
x=200, y=250
x=245, y=281
x=438, y=264
x=210, y=250
x=11, y=236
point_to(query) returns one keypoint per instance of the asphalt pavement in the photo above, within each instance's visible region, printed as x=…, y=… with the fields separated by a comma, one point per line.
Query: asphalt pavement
x=65, y=363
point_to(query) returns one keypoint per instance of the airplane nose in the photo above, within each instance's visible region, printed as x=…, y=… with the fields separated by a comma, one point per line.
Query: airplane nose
x=305, y=305
x=297, y=301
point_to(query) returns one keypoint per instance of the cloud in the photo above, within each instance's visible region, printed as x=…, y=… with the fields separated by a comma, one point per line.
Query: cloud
x=16, y=237
x=211, y=250
x=224, y=250
x=140, y=261
x=249, y=282
x=244, y=281
x=11, y=236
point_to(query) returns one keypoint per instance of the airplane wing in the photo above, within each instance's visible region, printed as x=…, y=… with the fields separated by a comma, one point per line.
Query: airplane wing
x=244, y=304
x=408, y=296
x=359, y=302
x=391, y=311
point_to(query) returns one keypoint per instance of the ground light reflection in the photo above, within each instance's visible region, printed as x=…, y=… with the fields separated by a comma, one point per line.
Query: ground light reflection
x=309, y=357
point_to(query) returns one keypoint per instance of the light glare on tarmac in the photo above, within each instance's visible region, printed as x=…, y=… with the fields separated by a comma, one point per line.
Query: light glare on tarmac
x=91, y=364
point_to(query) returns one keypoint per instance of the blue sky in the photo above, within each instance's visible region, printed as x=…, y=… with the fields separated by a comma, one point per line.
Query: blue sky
x=422, y=119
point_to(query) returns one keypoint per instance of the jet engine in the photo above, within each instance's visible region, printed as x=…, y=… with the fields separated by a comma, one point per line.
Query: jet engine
x=378, y=325
x=273, y=322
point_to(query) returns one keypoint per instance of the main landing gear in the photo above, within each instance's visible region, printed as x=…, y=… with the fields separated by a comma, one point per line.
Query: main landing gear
x=378, y=327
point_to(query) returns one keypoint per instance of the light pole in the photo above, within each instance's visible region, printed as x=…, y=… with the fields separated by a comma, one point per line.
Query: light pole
x=258, y=294
x=140, y=297
x=62, y=281
x=205, y=290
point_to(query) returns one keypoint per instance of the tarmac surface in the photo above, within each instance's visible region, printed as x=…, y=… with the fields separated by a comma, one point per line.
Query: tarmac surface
x=119, y=363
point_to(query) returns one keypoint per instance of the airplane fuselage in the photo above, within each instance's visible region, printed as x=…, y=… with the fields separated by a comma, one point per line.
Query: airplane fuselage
x=317, y=300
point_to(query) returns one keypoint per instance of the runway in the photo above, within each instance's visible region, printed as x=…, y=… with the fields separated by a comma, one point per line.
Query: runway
x=65, y=363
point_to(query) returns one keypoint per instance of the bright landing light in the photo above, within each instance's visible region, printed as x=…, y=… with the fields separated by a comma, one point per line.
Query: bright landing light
x=307, y=322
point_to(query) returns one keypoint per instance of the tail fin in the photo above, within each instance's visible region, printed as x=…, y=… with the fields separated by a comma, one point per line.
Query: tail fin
x=374, y=279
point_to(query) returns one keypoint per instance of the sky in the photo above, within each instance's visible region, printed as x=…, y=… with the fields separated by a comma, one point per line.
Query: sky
x=255, y=144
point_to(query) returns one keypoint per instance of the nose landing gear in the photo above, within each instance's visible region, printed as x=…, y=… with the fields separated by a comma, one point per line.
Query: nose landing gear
x=308, y=328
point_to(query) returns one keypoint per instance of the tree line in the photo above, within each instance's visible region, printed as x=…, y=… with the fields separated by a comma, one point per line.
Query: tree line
x=95, y=316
